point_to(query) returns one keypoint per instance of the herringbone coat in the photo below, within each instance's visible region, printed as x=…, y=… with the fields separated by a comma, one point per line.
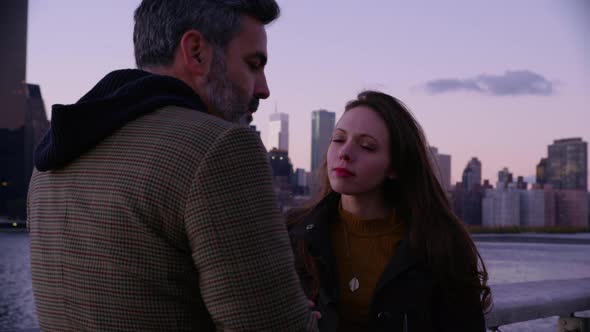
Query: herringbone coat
x=169, y=224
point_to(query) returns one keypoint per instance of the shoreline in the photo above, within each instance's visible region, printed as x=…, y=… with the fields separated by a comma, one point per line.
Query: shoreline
x=549, y=238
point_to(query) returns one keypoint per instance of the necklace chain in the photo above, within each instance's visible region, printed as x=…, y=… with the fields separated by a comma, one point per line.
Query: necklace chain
x=353, y=284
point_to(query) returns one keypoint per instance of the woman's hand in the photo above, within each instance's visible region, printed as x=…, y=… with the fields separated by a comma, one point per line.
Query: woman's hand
x=311, y=305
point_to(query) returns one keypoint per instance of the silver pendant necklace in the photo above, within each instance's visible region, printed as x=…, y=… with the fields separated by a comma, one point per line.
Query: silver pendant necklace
x=354, y=283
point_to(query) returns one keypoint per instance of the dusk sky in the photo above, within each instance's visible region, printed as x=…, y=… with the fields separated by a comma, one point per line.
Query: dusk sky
x=499, y=80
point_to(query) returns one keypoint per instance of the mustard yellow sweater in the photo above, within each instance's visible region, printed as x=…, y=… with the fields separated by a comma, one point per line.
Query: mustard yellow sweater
x=363, y=255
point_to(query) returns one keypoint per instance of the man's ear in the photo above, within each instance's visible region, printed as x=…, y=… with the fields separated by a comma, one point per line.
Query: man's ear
x=196, y=53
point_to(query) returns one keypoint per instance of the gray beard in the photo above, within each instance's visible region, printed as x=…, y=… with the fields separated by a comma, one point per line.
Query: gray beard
x=225, y=96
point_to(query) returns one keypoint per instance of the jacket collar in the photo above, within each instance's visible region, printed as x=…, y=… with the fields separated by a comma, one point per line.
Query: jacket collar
x=315, y=231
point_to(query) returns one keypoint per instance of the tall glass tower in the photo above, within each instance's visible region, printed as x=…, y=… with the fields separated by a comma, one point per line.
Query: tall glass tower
x=322, y=125
x=23, y=120
x=279, y=132
x=567, y=164
x=13, y=60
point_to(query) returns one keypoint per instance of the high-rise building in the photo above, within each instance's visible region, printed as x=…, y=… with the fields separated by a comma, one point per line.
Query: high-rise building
x=521, y=183
x=504, y=178
x=541, y=176
x=467, y=204
x=279, y=131
x=16, y=152
x=23, y=120
x=322, y=125
x=467, y=195
x=300, y=182
x=301, y=177
x=572, y=208
x=567, y=164
x=472, y=174
x=442, y=167
x=13, y=60
x=36, y=125
x=501, y=208
x=282, y=177
x=538, y=207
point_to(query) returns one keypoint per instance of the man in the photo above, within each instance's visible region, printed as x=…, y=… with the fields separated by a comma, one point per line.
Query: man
x=151, y=206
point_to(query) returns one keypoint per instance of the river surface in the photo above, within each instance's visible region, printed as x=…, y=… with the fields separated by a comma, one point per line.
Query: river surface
x=506, y=263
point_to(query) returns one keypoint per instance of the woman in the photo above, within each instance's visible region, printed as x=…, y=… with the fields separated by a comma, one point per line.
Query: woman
x=380, y=248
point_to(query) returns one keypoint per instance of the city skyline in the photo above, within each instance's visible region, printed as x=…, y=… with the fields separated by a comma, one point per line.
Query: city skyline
x=501, y=93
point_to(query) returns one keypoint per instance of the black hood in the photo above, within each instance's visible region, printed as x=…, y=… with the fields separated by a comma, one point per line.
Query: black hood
x=120, y=97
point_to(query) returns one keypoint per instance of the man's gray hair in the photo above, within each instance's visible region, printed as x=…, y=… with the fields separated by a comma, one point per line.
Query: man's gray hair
x=159, y=24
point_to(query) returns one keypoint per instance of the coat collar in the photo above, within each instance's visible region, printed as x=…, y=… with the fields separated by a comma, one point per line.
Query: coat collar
x=315, y=231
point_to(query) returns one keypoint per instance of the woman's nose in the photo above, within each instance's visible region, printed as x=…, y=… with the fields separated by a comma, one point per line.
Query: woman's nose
x=344, y=154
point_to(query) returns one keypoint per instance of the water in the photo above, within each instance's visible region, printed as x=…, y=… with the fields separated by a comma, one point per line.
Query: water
x=506, y=262
x=17, y=307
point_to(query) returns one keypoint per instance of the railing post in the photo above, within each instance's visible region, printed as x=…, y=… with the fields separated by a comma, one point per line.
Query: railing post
x=573, y=324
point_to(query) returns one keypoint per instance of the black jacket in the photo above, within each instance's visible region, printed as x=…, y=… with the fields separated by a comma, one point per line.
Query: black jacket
x=407, y=297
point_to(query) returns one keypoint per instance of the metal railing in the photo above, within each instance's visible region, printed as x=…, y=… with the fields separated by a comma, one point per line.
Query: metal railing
x=524, y=301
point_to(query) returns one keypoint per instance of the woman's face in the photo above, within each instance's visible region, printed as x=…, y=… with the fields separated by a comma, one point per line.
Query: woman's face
x=358, y=156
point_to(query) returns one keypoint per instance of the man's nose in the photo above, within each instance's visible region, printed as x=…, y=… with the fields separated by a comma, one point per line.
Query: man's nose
x=261, y=90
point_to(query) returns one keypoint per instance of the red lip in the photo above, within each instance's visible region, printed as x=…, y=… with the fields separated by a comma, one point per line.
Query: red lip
x=343, y=172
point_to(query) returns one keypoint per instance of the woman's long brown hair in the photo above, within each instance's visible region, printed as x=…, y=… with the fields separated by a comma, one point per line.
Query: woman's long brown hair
x=437, y=236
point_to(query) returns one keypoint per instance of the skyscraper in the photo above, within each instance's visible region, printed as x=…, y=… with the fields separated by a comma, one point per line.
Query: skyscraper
x=279, y=132
x=467, y=204
x=36, y=125
x=472, y=174
x=541, y=176
x=322, y=125
x=504, y=178
x=23, y=120
x=521, y=183
x=501, y=208
x=13, y=59
x=572, y=208
x=567, y=164
x=538, y=207
x=442, y=167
